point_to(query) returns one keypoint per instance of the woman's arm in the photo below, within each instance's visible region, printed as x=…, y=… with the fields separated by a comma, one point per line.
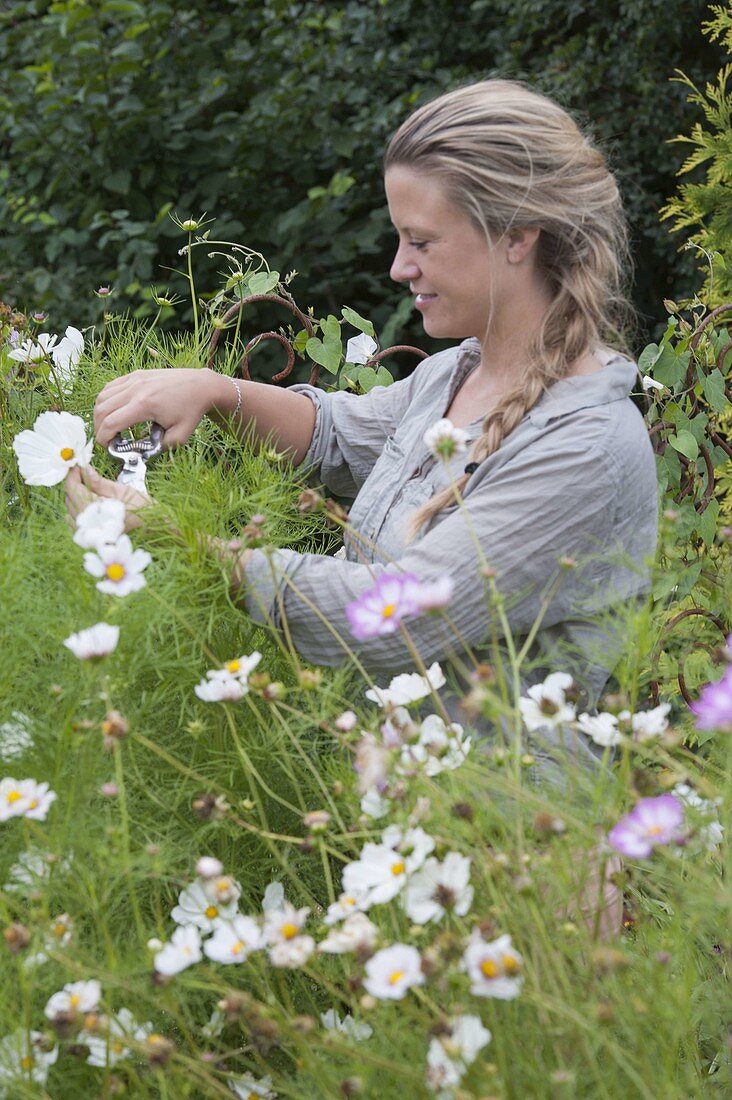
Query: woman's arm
x=179, y=398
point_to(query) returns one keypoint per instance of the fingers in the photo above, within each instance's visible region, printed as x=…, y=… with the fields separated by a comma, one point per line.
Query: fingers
x=78, y=496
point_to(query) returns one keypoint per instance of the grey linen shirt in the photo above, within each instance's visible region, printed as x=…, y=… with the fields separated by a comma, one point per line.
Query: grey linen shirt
x=575, y=479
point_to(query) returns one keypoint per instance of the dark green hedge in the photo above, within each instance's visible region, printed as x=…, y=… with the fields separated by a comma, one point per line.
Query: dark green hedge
x=272, y=116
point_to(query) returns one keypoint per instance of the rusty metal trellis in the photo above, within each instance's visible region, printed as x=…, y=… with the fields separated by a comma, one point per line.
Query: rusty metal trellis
x=306, y=323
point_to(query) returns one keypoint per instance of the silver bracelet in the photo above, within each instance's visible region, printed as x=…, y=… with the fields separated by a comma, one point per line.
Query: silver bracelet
x=237, y=387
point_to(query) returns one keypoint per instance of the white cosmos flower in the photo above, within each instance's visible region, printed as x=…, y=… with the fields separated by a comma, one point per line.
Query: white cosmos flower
x=346, y=721
x=233, y=940
x=407, y=688
x=76, y=998
x=195, y=906
x=209, y=867
x=230, y=683
x=414, y=844
x=545, y=704
x=439, y=887
x=274, y=897
x=56, y=443
x=392, y=971
x=67, y=353
x=398, y=728
x=16, y=736
x=120, y=567
x=100, y=522
x=95, y=641
x=443, y=1072
x=35, y=351
x=348, y=1026
x=183, y=951
x=222, y=689
x=601, y=728
x=438, y=748
x=249, y=1088
x=30, y=873
x=111, y=1043
x=22, y=1055
x=59, y=933
x=24, y=798
x=450, y=1055
x=494, y=968
x=712, y=832
x=284, y=922
x=375, y=805
x=357, y=933
x=359, y=349
x=444, y=440
x=647, y=724
x=292, y=953
x=377, y=876
x=344, y=907
x=222, y=890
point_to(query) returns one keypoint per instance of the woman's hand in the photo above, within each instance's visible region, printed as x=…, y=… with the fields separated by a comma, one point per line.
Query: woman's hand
x=84, y=486
x=177, y=398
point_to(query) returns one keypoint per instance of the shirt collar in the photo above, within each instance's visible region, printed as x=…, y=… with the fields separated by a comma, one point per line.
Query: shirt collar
x=613, y=382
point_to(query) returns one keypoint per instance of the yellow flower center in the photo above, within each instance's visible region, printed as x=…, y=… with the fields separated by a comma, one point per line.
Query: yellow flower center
x=397, y=868
x=395, y=976
x=67, y=453
x=232, y=666
x=211, y=911
x=115, y=571
x=237, y=948
x=33, y=804
x=59, y=929
x=511, y=964
x=388, y=611
x=654, y=830
x=26, y=1062
x=74, y=1000
x=117, y=1047
x=489, y=968
x=289, y=930
x=13, y=796
x=349, y=901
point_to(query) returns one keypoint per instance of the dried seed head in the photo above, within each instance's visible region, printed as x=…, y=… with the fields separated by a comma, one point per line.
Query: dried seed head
x=17, y=937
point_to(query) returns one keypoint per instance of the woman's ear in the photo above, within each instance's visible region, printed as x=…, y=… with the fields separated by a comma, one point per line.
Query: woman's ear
x=521, y=242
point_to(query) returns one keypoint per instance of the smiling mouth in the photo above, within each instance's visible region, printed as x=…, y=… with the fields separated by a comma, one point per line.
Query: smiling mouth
x=420, y=299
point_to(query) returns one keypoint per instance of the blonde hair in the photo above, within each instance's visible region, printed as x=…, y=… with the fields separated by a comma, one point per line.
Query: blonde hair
x=511, y=158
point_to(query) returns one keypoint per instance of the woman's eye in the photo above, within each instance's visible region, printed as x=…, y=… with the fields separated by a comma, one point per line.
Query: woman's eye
x=419, y=245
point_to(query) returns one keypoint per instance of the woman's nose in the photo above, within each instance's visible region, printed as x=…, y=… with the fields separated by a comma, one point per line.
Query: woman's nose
x=403, y=268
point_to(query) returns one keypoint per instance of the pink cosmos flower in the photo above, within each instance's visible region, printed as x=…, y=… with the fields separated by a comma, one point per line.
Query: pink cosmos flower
x=394, y=597
x=654, y=821
x=713, y=709
x=380, y=609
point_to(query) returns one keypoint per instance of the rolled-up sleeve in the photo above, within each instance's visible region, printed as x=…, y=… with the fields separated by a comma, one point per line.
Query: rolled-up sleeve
x=520, y=521
x=351, y=430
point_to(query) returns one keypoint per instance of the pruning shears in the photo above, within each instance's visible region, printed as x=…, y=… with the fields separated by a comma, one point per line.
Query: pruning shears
x=134, y=454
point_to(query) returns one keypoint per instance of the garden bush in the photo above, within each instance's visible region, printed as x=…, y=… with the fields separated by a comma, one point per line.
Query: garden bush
x=275, y=114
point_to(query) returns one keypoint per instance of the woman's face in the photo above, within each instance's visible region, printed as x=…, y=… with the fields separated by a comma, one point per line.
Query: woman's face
x=452, y=271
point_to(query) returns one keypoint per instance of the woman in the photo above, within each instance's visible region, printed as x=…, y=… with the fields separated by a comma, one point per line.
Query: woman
x=512, y=240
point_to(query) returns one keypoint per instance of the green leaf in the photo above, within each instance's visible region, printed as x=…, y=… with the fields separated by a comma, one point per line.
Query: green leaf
x=670, y=367
x=300, y=341
x=325, y=354
x=331, y=329
x=685, y=444
x=263, y=282
x=648, y=357
x=714, y=391
x=358, y=321
x=707, y=525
